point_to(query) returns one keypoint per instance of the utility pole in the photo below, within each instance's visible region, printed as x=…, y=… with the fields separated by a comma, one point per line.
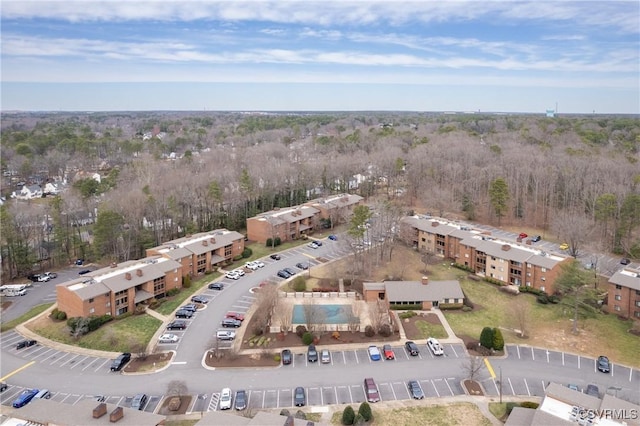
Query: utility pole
x=500, y=368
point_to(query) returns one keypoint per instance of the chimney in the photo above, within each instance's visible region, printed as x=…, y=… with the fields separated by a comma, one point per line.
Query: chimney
x=424, y=280
x=506, y=247
x=116, y=415
x=434, y=224
x=139, y=272
x=213, y=240
x=204, y=243
x=127, y=276
x=114, y=264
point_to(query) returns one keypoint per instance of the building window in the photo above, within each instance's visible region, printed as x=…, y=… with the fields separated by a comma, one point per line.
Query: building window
x=108, y=304
x=91, y=300
x=543, y=279
x=638, y=303
x=618, y=287
x=424, y=240
x=543, y=269
x=636, y=314
x=528, y=274
x=227, y=251
x=529, y=265
x=92, y=310
x=637, y=292
x=541, y=288
x=617, y=308
x=618, y=297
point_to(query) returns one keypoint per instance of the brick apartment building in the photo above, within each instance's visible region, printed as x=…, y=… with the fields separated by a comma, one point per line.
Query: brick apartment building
x=512, y=263
x=117, y=289
x=202, y=252
x=291, y=223
x=624, y=293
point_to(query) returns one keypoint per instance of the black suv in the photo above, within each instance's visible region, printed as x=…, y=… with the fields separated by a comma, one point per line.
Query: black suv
x=25, y=344
x=312, y=354
x=183, y=313
x=120, y=362
x=216, y=286
x=412, y=348
x=603, y=364
x=286, y=357
x=230, y=322
x=177, y=325
x=275, y=257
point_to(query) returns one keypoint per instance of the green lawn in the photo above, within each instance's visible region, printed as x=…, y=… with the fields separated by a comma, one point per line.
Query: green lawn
x=260, y=250
x=123, y=335
x=34, y=312
x=430, y=330
x=463, y=414
x=173, y=302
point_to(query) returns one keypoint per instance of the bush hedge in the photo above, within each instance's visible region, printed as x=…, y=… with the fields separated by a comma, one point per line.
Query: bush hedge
x=412, y=307
x=247, y=252
x=348, y=415
x=408, y=314
x=369, y=331
x=486, y=337
x=498, y=340
x=365, y=411
x=529, y=404
x=300, y=330
x=307, y=338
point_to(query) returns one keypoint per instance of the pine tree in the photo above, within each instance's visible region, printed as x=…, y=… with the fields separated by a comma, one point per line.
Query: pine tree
x=498, y=340
x=486, y=337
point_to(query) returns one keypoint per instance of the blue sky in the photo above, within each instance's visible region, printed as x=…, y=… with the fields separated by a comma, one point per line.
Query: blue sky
x=332, y=55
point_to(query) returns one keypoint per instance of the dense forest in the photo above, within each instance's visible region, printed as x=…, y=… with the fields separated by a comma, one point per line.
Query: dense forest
x=167, y=174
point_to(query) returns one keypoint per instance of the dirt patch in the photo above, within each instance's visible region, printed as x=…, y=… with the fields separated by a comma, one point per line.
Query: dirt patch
x=412, y=331
x=291, y=340
x=151, y=362
x=185, y=402
x=473, y=388
x=229, y=360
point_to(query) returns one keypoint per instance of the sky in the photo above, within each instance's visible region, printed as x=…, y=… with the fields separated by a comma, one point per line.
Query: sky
x=332, y=55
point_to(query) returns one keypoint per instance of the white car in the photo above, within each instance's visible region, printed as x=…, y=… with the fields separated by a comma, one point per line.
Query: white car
x=251, y=265
x=232, y=275
x=225, y=399
x=435, y=346
x=374, y=353
x=259, y=263
x=312, y=245
x=239, y=271
x=168, y=338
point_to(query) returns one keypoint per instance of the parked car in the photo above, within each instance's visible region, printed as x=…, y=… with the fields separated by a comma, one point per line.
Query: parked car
x=312, y=353
x=216, y=286
x=283, y=274
x=299, y=397
x=26, y=344
x=79, y=262
x=235, y=315
x=183, y=313
x=374, y=353
x=287, y=357
x=593, y=390
x=43, y=278
x=139, y=401
x=3, y=386
x=189, y=307
x=412, y=348
x=43, y=394
x=289, y=271
x=241, y=400
x=200, y=299
x=536, y=238
x=564, y=246
x=168, y=338
x=301, y=265
x=333, y=237
x=573, y=387
x=225, y=335
x=239, y=271
x=319, y=243
x=388, y=352
x=522, y=235
x=232, y=275
x=325, y=356
x=259, y=263
x=603, y=364
x=33, y=277
x=371, y=390
x=251, y=265
x=313, y=245
x=177, y=325
x=230, y=322
x=84, y=271
x=415, y=389
x=24, y=398
x=435, y=346
x=625, y=261
x=275, y=256
x=51, y=275
x=121, y=361
x=225, y=399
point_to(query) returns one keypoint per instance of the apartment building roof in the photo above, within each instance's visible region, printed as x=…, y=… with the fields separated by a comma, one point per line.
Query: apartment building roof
x=198, y=244
x=627, y=277
x=288, y=215
x=404, y=291
x=336, y=201
x=118, y=277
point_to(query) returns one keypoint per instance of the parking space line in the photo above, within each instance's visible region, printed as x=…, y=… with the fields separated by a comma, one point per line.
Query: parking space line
x=335, y=391
x=356, y=354
x=630, y=373
x=513, y=392
x=43, y=353
x=533, y=355
x=435, y=388
x=64, y=363
x=101, y=365
x=79, y=362
x=321, y=399
x=344, y=358
x=264, y=394
x=518, y=349
x=450, y=390
x=527, y=386
x=89, y=365
x=547, y=356
x=544, y=388
x=350, y=394
x=578, y=362
x=495, y=383
x=453, y=348
x=563, y=359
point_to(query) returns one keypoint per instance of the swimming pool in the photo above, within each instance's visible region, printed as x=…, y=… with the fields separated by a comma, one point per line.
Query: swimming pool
x=333, y=314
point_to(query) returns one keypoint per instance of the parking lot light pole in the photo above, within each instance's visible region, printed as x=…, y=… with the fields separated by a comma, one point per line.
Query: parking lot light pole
x=500, y=368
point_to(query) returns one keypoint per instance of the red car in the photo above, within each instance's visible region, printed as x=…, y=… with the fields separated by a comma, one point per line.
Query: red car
x=235, y=315
x=522, y=235
x=388, y=352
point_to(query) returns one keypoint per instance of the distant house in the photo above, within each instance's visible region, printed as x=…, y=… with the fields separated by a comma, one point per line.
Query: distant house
x=51, y=188
x=428, y=294
x=28, y=192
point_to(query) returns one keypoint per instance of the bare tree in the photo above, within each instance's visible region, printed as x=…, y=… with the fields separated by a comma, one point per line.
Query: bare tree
x=284, y=315
x=472, y=367
x=80, y=327
x=177, y=388
x=354, y=318
x=265, y=305
x=378, y=314
x=520, y=311
x=575, y=228
x=314, y=316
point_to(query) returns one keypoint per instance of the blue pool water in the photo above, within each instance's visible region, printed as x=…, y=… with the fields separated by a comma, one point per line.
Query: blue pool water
x=334, y=314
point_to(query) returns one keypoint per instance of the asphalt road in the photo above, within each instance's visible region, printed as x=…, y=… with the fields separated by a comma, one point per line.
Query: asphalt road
x=72, y=377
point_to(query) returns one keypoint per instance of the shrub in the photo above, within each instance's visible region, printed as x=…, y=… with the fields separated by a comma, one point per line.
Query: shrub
x=54, y=313
x=300, y=415
x=554, y=299
x=173, y=292
x=511, y=406
x=486, y=337
x=408, y=314
x=61, y=316
x=300, y=330
x=542, y=299
x=369, y=331
x=299, y=284
x=307, y=338
x=348, y=415
x=529, y=404
x=96, y=322
x=186, y=281
x=467, y=309
x=247, y=252
x=276, y=358
x=277, y=241
x=365, y=411
x=498, y=340
x=269, y=242
x=414, y=307
x=359, y=420
x=385, y=330
x=285, y=412
x=258, y=329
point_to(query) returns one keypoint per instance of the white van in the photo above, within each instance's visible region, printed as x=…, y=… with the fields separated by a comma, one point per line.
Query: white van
x=43, y=394
x=225, y=335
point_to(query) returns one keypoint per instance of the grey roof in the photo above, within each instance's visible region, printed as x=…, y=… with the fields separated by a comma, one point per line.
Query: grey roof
x=373, y=286
x=627, y=277
x=620, y=406
x=177, y=252
x=336, y=201
x=190, y=245
x=495, y=249
x=521, y=417
x=571, y=397
x=91, y=290
x=405, y=291
x=150, y=271
x=47, y=411
x=427, y=226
